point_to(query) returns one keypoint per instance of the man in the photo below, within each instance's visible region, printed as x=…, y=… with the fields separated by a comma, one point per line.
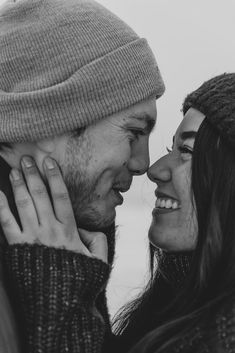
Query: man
x=77, y=84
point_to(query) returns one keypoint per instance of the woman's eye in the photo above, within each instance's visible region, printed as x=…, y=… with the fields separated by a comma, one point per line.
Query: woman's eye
x=185, y=149
x=169, y=150
x=181, y=149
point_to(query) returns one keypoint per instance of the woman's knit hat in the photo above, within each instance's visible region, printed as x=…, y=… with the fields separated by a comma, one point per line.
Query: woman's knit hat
x=65, y=64
x=215, y=98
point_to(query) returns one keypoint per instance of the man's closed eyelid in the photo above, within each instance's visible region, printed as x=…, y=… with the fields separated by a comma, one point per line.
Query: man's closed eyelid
x=137, y=131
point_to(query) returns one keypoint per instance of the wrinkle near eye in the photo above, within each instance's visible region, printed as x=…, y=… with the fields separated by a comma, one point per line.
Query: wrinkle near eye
x=122, y=134
x=116, y=127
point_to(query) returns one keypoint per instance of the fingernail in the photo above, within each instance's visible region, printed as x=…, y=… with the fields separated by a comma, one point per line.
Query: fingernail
x=15, y=174
x=50, y=164
x=27, y=161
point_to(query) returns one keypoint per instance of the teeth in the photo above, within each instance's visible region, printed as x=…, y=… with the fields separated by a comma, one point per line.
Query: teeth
x=168, y=204
x=163, y=203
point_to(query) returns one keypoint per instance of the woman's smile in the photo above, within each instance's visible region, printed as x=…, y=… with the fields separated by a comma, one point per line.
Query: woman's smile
x=165, y=203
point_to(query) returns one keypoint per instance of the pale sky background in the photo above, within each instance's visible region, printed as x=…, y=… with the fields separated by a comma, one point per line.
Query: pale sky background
x=192, y=41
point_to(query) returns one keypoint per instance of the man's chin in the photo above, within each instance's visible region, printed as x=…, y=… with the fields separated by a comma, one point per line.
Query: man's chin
x=95, y=224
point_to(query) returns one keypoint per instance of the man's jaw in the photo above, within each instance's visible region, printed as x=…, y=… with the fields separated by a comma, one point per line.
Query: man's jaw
x=93, y=219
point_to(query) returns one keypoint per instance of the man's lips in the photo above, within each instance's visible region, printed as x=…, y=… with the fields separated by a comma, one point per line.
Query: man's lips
x=118, y=196
x=122, y=187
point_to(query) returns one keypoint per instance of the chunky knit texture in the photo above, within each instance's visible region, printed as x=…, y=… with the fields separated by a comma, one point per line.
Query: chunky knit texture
x=56, y=290
x=173, y=267
x=216, y=335
x=56, y=296
x=67, y=64
x=216, y=99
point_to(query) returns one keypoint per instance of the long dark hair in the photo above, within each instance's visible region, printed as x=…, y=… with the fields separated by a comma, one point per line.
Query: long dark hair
x=212, y=272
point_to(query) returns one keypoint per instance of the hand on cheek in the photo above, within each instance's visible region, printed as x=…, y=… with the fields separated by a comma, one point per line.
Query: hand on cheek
x=46, y=221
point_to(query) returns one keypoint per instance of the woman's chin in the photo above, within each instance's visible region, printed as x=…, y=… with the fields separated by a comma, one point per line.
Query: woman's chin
x=156, y=237
x=165, y=238
x=170, y=239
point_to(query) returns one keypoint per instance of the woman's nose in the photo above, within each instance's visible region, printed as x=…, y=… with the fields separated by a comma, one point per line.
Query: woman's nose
x=160, y=171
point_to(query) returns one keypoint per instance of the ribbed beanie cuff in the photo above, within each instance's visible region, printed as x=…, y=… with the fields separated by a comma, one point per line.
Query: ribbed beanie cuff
x=65, y=65
x=215, y=98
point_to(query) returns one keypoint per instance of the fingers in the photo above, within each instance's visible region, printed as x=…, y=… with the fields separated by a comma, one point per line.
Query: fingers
x=37, y=190
x=8, y=223
x=24, y=203
x=96, y=242
x=60, y=197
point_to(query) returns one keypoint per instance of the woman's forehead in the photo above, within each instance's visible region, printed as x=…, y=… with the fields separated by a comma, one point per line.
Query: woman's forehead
x=191, y=121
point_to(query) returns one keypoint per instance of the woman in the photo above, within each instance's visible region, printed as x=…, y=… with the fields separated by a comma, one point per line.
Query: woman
x=188, y=305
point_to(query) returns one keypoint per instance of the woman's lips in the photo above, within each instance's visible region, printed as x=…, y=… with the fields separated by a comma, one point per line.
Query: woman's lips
x=165, y=204
x=160, y=211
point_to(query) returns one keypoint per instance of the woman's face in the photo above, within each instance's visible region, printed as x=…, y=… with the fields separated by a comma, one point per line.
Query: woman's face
x=174, y=225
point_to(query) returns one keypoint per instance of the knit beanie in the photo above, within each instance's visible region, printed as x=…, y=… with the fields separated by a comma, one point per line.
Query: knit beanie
x=65, y=64
x=215, y=98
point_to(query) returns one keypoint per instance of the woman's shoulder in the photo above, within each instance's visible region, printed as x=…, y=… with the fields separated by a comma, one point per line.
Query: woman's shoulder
x=224, y=323
x=215, y=333
x=225, y=315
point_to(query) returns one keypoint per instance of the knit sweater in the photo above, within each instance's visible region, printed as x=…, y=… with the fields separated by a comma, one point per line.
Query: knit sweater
x=9, y=341
x=56, y=292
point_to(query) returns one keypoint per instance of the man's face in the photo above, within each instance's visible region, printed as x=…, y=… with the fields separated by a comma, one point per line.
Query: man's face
x=98, y=165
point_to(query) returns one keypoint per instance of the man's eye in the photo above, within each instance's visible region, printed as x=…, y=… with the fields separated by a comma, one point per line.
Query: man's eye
x=137, y=133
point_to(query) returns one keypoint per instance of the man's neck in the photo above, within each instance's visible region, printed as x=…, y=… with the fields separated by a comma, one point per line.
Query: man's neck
x=110, y=234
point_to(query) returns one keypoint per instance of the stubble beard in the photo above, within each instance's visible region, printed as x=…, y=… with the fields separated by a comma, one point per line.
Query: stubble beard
x=82, y=189
x=82, y=186
x=83, y=197
x=81, y=193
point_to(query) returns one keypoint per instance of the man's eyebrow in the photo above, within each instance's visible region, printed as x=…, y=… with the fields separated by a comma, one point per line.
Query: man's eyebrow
x=148, y=119
x=188, y=135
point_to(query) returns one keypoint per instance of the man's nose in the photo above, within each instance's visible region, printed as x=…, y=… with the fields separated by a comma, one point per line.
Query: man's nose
x=160, y=171
x=139, y=161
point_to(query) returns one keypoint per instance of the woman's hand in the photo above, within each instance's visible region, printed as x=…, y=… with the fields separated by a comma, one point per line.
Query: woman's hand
x=41, y=222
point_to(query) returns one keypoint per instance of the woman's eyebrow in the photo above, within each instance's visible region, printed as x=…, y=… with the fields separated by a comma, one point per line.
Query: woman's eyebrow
x=185, y=135
x=188, y=134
